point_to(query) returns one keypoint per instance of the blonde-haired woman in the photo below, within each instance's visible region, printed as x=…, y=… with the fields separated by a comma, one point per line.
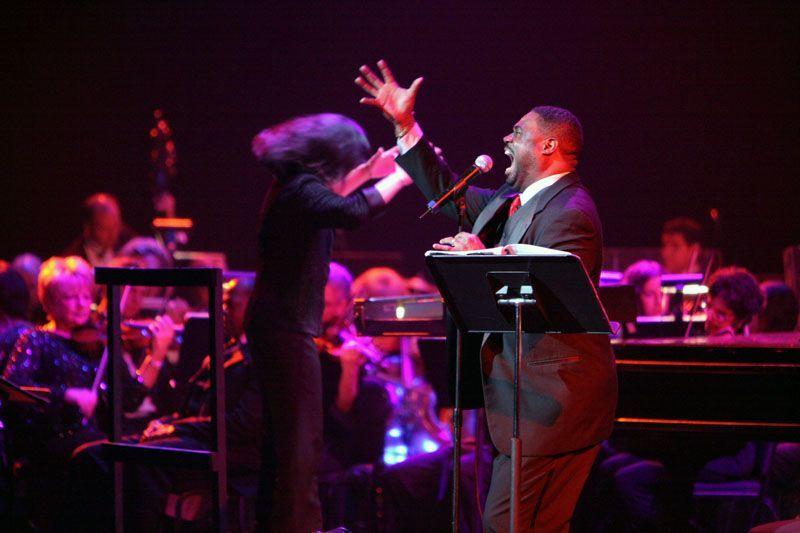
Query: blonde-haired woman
x=46, y=357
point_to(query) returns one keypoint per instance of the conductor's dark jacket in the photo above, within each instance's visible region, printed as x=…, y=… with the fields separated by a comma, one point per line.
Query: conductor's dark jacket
x=295, y=240
x=568, y=383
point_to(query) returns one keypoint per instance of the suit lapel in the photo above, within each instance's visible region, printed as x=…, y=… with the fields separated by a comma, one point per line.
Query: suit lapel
x=491, y=209
x=518, y=225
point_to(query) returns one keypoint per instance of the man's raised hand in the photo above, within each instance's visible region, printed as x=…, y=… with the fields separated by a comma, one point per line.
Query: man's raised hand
x=395, y=102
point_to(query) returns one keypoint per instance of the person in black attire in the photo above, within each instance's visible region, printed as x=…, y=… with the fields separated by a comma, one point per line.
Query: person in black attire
x=318, y=163
x=355, y=404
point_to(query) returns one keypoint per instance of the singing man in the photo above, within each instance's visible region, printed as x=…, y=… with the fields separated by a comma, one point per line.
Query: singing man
x=568, y=382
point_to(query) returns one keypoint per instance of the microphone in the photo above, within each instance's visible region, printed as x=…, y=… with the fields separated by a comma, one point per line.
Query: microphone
x=483, y=164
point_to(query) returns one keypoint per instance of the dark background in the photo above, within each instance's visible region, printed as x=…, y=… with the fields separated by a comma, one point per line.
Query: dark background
x=684, y=109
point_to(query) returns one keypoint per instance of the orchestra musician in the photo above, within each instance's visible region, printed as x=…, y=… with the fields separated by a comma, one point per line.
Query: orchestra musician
x=735, y=298
x=191, y=427
x=51, y=438
x=355, y=405
x=103, y=231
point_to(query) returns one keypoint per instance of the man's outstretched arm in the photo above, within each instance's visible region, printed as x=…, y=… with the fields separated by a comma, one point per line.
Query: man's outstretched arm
x=418, y=158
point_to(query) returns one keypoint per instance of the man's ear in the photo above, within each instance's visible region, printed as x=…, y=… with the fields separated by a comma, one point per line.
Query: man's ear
x=549, y=146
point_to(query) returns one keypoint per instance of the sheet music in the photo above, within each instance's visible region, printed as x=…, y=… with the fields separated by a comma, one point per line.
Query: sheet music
x=519, y=249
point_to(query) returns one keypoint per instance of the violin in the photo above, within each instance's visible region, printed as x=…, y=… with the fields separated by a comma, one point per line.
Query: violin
x=364, y=344
x=90, y=339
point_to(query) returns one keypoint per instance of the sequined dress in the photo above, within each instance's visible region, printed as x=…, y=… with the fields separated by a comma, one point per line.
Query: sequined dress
x=43, y=359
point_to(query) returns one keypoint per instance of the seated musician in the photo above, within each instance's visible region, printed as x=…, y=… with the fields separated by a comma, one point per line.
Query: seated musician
x=48, y=358
x=780, y=308
x=14, y=301
x=356, y=405
x=141, y=332
x=103, y=231
x=381, y=282
x=680, y=245
x=735, y=298
x=191, y=427
x=645, y=277
x=28, y=265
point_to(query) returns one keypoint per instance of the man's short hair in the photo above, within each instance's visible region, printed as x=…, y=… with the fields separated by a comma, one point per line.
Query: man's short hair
x=640, y=272
x=148, y=249
x=98, y=203
x=379, y=282
x=341, y=278
x=563, y=125
x=739, y=290
x=691, y=229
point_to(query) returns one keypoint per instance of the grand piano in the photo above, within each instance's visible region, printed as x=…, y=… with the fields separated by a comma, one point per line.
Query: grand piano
x=741, y=387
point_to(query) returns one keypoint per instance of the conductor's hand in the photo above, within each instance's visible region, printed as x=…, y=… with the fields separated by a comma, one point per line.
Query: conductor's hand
x=395, y=102
x=462, y=242
x=381, y=163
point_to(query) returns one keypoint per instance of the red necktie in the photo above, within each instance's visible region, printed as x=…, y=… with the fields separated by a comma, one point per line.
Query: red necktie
x=515, y=204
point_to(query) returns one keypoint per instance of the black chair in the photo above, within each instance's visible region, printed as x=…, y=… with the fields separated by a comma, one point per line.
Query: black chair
x=752, y=492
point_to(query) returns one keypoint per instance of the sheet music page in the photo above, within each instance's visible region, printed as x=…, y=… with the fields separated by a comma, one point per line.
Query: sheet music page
x=519, y=249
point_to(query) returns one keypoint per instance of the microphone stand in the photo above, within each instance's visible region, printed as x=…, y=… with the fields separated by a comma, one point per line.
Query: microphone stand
x=461, y=206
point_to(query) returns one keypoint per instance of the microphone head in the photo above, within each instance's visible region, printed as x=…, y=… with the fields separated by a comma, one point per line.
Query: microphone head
x=484, y=163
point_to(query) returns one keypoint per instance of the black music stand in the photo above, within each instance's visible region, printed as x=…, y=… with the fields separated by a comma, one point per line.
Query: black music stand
x=542, y=291
x=213, y=461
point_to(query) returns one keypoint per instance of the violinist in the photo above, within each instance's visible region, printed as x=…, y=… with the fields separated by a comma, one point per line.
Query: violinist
x=355, y=405
x=48, y=358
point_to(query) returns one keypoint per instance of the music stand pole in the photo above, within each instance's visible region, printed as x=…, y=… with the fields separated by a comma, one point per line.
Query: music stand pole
x=455, y=517
x=522, y=298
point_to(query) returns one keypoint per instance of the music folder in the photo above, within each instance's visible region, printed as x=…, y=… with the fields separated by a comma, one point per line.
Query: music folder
x=471, y=282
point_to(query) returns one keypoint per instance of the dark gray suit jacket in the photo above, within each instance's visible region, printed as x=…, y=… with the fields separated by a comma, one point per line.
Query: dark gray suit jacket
x=568, y=383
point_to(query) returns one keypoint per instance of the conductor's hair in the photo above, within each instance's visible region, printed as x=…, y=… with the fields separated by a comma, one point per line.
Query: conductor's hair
x=564, y=126
x=327, y=145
